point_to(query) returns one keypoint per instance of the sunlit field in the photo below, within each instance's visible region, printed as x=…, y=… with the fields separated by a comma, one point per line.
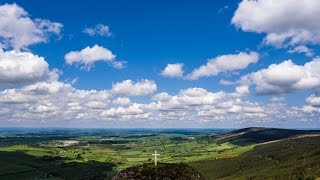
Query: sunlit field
x=123, y=150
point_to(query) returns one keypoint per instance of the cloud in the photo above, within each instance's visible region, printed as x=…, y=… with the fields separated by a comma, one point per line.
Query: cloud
x=285, y=23
x=44, y=101
x=23, y=68
x=89, y=55
x=98, y=30
x=47, y=88
x=96, y=104
x=277, y=99
x=47, y=102
x=206, y=106
x=122, y=101
x=285, y=77
x=195, y=97
x=312, y=107
x=224, y=63
x=313, y=100
x=242, y=90
x=302, y=49
x=225, y=82
x=18, y=30
x=199, y=96
x=173, y=70
x=192, y=104
x=32, y=93
x=131, y=112
x=164, y=96
x=130, y=88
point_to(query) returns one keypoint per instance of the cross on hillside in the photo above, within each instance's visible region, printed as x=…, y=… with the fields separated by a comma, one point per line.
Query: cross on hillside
x=155, y=157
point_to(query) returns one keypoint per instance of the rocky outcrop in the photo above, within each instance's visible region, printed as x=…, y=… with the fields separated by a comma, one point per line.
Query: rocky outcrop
x=163, y=171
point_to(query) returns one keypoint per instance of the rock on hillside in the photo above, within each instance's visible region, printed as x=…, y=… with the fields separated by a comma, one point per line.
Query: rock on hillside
x=162, y=171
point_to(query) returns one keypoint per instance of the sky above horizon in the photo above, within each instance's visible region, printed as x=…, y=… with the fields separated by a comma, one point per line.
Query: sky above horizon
x=160, y=64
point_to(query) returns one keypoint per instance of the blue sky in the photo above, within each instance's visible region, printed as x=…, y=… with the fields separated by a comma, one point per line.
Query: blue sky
x=147, y=35
x=238, y=39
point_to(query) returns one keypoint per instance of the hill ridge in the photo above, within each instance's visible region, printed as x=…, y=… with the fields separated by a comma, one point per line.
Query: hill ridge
x=262, y=134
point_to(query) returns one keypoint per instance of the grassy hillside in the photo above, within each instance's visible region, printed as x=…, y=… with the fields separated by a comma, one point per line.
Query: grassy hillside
x=20, y=165
x=297, y=158
x=260, y=134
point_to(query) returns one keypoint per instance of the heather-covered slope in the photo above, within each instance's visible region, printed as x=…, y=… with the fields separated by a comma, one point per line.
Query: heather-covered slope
x=297, y=158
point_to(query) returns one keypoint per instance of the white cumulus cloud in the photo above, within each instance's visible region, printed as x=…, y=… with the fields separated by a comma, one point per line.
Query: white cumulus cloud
x=286, y=23
x=242, y=90
x=122, y=101
x=313, y=100
x=224, y=63
x=312, y=107
x=130, y=88
x=18, y=30
x=23, y=68
x=173, y=70
x=285, y=77
x=47, y=102
x=89, y=55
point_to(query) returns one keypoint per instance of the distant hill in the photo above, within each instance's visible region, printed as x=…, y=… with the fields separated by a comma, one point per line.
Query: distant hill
x=260, y=134
x=163, y=171
x=294, y=158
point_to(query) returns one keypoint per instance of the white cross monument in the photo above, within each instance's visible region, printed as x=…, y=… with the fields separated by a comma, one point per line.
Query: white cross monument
x=155, y=157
